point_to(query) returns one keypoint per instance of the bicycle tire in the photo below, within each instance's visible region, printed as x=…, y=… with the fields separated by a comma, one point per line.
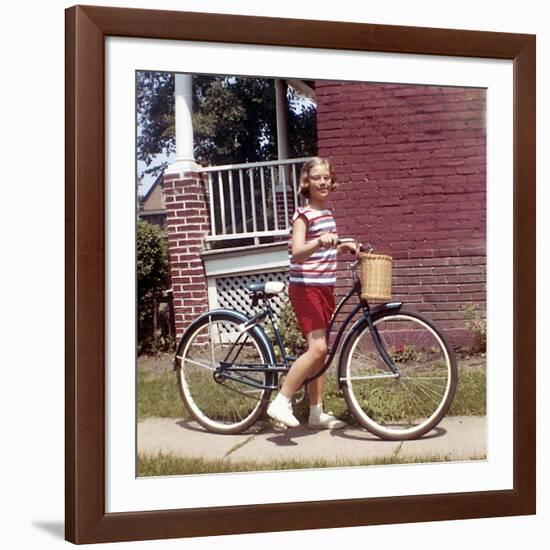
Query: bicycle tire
x=404, y=406
x=223, y=406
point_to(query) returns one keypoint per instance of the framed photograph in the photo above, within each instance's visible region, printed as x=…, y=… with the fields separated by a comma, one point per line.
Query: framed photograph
x=431, y=137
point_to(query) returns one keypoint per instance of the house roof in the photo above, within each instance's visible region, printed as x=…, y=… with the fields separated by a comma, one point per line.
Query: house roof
x=153, y=199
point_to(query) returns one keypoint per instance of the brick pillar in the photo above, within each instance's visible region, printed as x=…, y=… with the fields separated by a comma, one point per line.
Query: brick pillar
x=187, y=225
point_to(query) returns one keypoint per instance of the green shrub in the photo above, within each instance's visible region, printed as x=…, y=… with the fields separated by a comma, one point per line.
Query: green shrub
x=290, y=332
x=153, y=276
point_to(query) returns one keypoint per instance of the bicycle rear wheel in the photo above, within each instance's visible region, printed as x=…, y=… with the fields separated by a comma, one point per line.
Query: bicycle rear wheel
x=413, y=400
x=219, y=404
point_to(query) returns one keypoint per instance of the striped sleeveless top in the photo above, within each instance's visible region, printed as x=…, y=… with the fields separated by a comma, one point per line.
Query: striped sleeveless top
x=320, y=267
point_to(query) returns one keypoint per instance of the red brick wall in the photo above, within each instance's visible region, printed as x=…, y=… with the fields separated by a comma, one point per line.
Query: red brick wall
x=412, y=169
x=187, y=224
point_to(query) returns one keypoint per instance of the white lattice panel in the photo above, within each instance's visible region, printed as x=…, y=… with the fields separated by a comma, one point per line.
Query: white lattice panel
x=232, y=291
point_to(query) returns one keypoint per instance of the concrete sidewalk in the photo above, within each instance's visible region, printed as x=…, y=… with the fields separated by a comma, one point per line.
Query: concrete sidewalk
x=455, y=438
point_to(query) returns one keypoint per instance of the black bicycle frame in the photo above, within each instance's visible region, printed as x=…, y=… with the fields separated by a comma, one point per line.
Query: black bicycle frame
x=227, y=367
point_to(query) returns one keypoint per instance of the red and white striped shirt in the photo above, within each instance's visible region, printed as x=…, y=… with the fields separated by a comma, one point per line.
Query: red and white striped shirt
x=320, y=267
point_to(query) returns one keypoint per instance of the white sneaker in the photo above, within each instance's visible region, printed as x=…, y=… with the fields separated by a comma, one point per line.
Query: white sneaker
x=326, y=422
x=280, y=412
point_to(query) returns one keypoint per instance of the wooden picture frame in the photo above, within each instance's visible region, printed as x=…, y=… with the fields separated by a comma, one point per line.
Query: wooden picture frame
x=86, y=519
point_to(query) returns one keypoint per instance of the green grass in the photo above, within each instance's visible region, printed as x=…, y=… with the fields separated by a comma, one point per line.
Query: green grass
x=158, y=396
x=389, y=401
x=471, y=393
x=170, y=465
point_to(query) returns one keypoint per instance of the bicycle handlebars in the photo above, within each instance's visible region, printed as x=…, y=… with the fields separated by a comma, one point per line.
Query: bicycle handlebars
x=360, y=247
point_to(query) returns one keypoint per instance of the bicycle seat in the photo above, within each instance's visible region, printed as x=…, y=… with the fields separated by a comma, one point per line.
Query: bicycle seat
x=270, y=288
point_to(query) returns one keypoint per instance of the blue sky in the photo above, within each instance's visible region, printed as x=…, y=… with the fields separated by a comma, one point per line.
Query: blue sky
x=145, y=183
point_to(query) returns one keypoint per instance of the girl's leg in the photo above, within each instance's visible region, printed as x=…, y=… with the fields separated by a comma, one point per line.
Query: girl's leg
x=315, y=390
x=317, y=418
x=306, y=365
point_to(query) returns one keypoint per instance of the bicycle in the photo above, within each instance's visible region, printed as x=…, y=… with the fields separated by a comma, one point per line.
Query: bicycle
x=396, y=369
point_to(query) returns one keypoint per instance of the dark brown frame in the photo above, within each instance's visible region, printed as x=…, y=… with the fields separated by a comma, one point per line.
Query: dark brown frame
x=86, y=29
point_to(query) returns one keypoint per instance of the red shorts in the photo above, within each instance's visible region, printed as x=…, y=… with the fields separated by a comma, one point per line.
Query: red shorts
x=313, y=305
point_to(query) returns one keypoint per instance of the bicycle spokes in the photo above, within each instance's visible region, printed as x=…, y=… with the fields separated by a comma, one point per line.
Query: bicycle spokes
x=404, y=397
x=221, y=402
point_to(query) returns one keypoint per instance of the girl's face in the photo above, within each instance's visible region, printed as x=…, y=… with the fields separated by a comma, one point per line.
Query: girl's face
x=320, y=183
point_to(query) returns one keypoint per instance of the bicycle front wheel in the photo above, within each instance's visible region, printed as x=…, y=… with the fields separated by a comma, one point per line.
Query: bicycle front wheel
x=220, y=404
x=411, y=399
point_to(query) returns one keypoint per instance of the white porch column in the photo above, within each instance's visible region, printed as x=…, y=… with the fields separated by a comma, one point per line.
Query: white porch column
x=282, y=126
x=284, y=196
x=183, y=92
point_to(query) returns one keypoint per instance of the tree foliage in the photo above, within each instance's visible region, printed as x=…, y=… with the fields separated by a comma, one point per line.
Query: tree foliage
x=153, y=276
x=302, y=126
x=155, y=113
x=234, y=120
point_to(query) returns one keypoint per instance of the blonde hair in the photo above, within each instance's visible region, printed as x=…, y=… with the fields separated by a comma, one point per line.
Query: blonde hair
x=303, y=189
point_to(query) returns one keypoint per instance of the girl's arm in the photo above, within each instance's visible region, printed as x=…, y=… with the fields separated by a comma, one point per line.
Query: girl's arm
x=301, y=250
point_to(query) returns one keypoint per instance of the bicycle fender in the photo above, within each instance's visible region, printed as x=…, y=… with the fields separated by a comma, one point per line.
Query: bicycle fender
x=374, y=312
x=389, y=306
x=238, y=316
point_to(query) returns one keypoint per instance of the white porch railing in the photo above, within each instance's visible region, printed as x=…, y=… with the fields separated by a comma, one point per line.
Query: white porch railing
x=252, y=200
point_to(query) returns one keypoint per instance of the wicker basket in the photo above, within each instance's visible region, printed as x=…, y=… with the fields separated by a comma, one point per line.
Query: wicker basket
x=375, y=276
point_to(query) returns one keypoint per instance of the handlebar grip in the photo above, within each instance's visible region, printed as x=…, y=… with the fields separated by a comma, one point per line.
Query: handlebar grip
x=350, y=240
x=346, y=240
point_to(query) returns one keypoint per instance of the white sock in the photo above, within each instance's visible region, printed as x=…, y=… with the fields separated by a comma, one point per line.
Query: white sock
x=282, y=399
x=315, y=411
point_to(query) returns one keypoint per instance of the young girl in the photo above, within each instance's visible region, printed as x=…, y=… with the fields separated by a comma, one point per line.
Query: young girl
x=313, y=248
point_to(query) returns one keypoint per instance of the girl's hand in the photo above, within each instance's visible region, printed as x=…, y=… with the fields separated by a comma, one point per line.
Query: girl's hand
x=348, y=245
x=328, y=240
